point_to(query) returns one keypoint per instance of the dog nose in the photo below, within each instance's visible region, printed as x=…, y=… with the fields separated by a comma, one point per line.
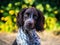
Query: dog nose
x=29, y=24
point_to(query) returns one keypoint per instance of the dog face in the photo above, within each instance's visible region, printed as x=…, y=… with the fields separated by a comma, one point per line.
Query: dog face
x=30, y=18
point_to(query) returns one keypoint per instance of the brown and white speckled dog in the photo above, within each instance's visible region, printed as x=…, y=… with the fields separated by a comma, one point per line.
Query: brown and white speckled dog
x=29, y=20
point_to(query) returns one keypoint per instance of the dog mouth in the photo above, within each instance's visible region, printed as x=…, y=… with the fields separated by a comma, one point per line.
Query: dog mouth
x=29, y=26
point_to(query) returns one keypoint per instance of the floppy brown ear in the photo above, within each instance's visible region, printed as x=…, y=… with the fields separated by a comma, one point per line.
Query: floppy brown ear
x=40, y=21
x=20, y=17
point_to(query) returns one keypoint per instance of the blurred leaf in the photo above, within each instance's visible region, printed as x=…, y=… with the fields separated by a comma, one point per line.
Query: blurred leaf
x=5, y=14
x=55, y=8
x=47, y=6
x=7, y=8
x=16, y=11
x=1, y=11
x=17, y=3
x=1, y=23
x=24, y=6
x=29, y=1
x=2, y=7
x=40, y=7
x=49, y=9
x=55, y=12
x=51, y=15
x=10, y=5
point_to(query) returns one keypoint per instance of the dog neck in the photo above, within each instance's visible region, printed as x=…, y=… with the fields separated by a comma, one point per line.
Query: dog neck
x=27, y=31
x=29, y=36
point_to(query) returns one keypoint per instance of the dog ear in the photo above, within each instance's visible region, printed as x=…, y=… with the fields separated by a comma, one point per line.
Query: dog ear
x=20, y=17
x=40, y=21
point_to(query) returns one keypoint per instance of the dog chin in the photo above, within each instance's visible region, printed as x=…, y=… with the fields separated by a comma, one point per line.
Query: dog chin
x=29, y=28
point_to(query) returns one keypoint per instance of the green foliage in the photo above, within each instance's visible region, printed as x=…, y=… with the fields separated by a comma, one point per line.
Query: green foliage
x=10, y=9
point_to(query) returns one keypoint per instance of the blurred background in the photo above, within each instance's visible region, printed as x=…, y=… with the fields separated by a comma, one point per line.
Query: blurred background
x=10, y=8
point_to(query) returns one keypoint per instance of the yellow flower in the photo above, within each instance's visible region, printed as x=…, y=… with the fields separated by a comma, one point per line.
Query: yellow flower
x=24, y=6
x=10, y=22
x=51, y=22
x=44, y=25
x=6, y=18
x=2, y=27
x=55, y=12
x=51, y=26
x=16, y=26
x=29, y=0
x=2, y=18
x=11, y=12
x=1, y=11
x=14, y=19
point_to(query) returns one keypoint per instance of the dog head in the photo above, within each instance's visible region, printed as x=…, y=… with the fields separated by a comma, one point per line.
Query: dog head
x=30, y=18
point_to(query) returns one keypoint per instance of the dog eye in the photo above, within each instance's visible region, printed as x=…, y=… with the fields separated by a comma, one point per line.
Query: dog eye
x=35, y=16
x=27, y=14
